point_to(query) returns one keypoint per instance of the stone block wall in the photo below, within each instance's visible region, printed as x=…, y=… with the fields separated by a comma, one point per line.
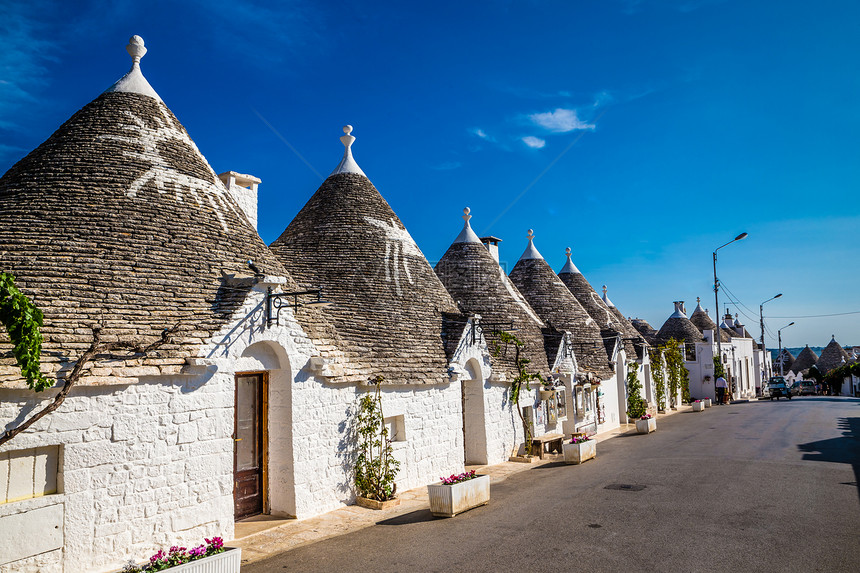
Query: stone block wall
x=142, y=466
x=431, y=447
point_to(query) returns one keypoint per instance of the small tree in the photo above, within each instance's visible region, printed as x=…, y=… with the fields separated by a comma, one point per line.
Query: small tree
x=520, y=381
x=23, y=321
x=636, y=405
x=719, y=369
x=375, y=466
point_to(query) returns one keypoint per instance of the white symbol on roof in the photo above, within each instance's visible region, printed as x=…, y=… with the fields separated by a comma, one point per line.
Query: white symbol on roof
x=161, y=174
x=398, y=245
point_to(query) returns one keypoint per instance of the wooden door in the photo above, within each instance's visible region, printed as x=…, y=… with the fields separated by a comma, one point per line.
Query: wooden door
x=249, y=445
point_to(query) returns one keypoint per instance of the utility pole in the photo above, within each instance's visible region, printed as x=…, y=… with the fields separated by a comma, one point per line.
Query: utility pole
x=718, y=334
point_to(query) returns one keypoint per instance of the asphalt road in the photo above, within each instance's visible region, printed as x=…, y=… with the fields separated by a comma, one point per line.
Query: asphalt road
x=761, y=486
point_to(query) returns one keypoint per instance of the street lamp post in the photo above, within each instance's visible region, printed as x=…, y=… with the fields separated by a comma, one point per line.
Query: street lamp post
x=717, y=296
x=779, y=335
x=761, y=318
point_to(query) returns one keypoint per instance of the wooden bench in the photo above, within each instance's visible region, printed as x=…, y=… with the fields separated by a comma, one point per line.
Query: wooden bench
x=552, y=441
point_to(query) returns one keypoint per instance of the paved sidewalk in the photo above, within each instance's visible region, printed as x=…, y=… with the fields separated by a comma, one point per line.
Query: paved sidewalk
x=264, y=535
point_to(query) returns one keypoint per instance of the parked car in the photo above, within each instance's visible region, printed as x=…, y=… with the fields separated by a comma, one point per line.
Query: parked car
x=779, y=389
x=794, y=389
x=807, y=388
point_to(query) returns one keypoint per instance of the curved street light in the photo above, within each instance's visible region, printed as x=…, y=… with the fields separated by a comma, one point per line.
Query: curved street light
x=779, y=335
x=717, y=291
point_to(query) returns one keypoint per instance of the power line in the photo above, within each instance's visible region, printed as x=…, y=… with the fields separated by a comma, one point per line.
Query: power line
x=818, y=315
x=738, y=302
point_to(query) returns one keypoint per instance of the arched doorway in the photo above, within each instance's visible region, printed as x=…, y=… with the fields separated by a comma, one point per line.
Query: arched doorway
x=264, y=479
x=474, y=422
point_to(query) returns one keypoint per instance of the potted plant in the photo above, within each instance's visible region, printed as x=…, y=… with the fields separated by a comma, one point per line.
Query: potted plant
x=209, y=558
x=646, y=424
x=375, y=466
x=707, y=402
x=458, y=493
x=698, y=406
x=579, y=449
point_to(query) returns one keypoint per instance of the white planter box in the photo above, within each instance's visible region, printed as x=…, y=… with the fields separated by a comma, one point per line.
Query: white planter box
x=646, y=426
x=227, y=562
x=581, y=452
x=449, y=500
x=707, y=402
x=698, y=406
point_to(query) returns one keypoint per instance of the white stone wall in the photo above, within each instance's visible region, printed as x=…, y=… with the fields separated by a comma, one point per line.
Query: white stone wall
x=310, y=446
x=432, y=445
x=142, y=466
x=613, y=395
x=150, y=465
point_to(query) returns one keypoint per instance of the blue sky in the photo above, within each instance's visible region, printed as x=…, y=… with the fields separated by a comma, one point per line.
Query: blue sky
x=643, y=134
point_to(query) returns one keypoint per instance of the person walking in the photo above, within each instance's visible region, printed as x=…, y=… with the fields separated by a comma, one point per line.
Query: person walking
x=720, y=386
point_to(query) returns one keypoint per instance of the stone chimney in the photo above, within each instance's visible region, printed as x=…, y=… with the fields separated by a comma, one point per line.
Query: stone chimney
x=492, y=244
x=243, y=188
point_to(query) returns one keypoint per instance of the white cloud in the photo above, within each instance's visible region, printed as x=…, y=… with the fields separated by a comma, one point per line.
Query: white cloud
x=481, y=133
x=534, y=142
x=560, y=121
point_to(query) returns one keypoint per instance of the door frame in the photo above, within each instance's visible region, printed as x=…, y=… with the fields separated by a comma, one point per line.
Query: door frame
x=264, y=433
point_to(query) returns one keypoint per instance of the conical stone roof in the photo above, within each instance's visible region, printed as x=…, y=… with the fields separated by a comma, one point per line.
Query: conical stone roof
x=118, y=219
x=480, y=286
x=630, y=333
x=786, y=358
x=647, y=331
x=679, y=327
x=833, y=356
x=805, y=360
x=389, y=306
x=555, y=304
x=703, y=322
x=609, y=324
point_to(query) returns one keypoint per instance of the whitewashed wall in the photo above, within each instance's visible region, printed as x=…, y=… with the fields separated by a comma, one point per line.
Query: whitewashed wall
x=612, y=389
x=310, y=440
x=142, y=466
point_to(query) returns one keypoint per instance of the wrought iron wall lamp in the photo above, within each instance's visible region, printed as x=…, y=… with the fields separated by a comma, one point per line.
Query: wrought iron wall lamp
x=277, y=301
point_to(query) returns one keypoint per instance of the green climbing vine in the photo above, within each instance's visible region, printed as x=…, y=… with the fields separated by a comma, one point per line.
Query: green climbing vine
x=521, y=380
x=659, y=374
x=636, y=405
x=679, y=376
x=22, y=320
x=375, y=466
x=719, y=370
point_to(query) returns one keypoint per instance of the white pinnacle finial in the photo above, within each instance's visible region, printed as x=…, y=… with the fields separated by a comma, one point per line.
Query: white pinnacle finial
x=606, y=298
x=531, y=252
x=135, y=49
x=347, y=164
x=467, y=235
x=569, y=267
x=133, y=81
x=347, y=139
